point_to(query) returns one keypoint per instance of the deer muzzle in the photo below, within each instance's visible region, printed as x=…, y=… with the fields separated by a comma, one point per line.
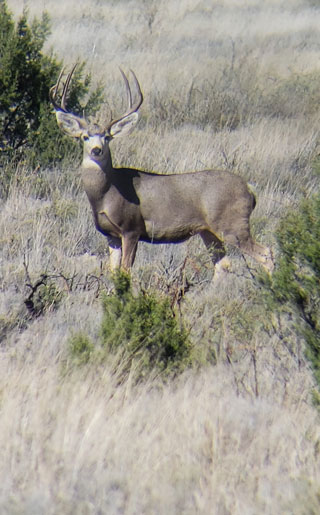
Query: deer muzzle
x=96, y=151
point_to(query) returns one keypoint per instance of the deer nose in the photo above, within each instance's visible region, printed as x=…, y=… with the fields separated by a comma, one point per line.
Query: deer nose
x=96, y=151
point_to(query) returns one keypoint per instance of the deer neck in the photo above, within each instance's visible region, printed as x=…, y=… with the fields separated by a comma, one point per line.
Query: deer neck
x=96, y=177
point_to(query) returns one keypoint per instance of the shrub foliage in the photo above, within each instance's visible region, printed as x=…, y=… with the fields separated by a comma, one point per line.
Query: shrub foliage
x=139, y=331
x=28, y=130
x=295, y=284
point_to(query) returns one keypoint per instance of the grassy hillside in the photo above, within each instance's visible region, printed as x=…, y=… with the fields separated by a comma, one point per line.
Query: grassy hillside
x=226, y=84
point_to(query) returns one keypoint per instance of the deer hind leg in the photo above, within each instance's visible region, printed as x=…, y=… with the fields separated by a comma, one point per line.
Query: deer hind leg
x=241, y=237
x=258, y=252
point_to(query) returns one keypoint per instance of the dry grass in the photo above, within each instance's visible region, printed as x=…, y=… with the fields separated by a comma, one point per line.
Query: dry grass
x=239, y=436
x=80, y=444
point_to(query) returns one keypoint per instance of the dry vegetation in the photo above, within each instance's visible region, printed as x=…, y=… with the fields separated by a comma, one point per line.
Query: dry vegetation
x=239, y=435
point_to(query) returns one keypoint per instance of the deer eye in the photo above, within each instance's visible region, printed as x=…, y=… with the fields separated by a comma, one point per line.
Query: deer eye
x=85, y=137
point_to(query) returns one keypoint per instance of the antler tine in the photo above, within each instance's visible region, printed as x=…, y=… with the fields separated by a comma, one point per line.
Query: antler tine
x=136, y=106
x=66, y=87
x=131, y=107
x=54, y=89
x=129, y=94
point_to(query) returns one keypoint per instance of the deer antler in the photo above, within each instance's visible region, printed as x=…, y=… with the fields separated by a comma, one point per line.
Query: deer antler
x=54, y=90
x=132, y=108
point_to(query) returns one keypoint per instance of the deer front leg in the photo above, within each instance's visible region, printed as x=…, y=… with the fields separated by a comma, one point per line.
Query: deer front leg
x=214, y=246
x=129, y=249
x=115, y=253
x=115, y=258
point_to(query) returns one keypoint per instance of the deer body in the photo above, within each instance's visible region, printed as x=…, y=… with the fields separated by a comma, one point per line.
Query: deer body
x=189, y=204
x=131, y=205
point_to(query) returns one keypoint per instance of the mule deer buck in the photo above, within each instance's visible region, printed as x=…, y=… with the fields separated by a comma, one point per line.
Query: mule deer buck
x=131, y=205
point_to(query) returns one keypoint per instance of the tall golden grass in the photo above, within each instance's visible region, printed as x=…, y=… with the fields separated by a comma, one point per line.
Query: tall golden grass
x=240, y=435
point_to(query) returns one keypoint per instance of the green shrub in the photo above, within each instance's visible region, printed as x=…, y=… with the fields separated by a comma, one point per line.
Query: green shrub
x=80, y=348
x=139, y=335
x=28, y=130
x=295, y=285
x=143, y=331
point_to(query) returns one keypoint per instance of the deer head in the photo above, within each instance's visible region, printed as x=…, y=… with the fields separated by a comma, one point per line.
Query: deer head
x=94, y=137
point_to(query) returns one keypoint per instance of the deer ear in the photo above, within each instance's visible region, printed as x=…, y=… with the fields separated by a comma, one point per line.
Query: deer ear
x=124, y=126
x=70, y=124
